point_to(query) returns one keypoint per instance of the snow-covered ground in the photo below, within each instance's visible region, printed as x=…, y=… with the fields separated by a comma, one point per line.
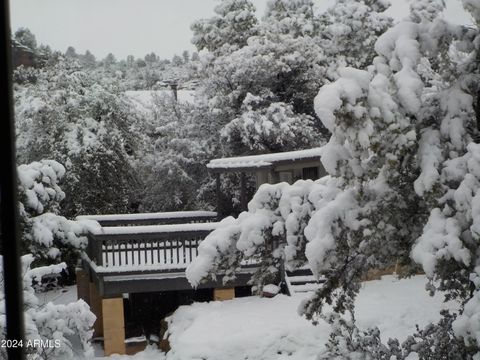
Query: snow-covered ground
x=64, y=295
x=260, y=328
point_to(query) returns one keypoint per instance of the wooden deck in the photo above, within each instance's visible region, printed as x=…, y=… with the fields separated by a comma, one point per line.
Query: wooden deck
x=128, y=254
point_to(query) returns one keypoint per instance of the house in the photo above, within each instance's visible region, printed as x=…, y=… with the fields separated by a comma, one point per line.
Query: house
x=268, y=168
x=22, y=55
x=133, y=270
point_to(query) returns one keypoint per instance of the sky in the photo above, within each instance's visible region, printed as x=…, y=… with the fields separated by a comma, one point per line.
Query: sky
x=138, y=27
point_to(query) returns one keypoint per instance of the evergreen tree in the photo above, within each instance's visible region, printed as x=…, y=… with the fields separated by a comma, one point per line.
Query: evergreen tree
x=109, y=60
x=151, y=58
x=71, y=53
x=25, y=37
x=403, y=183
x=230, y=28
x=293, y=17
x=88, y=60
x=350, y=29
x=186, y=56
x=195, y=56
x=177, y=60
x=47, y=236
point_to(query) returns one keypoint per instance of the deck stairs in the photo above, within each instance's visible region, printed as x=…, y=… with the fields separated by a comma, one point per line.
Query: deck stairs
x=302, y=280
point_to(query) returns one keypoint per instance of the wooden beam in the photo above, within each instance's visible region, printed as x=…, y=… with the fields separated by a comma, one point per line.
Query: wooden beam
x=243, y=192
x=274, y=177
x=137, y=285
x=218, y=191
x=96, y=308
x=222, y=170
x=83, y=285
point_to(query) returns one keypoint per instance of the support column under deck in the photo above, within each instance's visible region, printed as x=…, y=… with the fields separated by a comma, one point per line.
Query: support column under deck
x=83, y=285
x=96, y=308
x=223, y=294
x=113, y=326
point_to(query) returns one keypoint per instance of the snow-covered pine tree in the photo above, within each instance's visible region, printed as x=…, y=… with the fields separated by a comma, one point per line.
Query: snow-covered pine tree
x=25, y=37
x=229, y=29
x=402, y=145
x=71, y=53
x=277, y=68
x=349, y=30
x=88, y=60
x=450, y=180
x=293, y=17
x=286, y=63
x=266, y=126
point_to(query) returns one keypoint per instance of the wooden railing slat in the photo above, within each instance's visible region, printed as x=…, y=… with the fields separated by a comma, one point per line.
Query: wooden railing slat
x=158, y=248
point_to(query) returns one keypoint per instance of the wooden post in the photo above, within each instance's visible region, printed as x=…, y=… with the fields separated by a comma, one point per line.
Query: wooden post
x=223, y=294
x=243, y=192
x=274, y=177
x=218, y=192
x=113, y=326
x=262, y=178
x=94, y=249
x=83, y=285
x=96, y=308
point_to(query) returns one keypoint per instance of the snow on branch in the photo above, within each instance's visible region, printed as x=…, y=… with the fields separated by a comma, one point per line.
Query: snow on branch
x=280, y=221
x=49, y=322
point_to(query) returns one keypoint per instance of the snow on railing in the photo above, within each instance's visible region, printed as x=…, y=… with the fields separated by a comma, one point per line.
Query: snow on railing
x=156, y=245
x=172, y=217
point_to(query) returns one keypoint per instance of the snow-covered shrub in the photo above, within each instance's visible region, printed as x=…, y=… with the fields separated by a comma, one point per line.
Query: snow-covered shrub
x=435, y=341
x=51, y=238
x=349, y=343
x=52, y=325
x=270, y=234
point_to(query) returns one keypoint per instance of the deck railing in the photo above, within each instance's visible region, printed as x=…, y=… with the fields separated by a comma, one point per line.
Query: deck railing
x=166, y=249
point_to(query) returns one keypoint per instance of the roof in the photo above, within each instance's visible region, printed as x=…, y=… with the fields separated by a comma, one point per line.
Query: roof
x=18, y=46
x=264, y=161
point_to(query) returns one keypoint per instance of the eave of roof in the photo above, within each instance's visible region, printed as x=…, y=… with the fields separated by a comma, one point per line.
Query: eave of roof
x=262, y=162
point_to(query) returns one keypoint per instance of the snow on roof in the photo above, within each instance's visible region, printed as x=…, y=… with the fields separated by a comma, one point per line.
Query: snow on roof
x=149, y=216
x=265, y=160
x=148, y=229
